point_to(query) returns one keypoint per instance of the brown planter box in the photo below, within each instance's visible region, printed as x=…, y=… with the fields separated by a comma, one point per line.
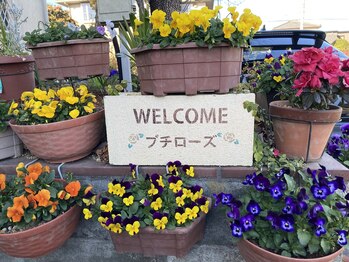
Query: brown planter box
x=188, y=69
x=151, y=242
x=16, y=75
x=10, y=144
x=63, y=141
x=73, y=58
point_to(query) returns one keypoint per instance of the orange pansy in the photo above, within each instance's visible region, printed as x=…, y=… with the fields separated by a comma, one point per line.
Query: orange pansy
x=35, y=168
x=43, y=197
x=61, y=194
x=46, y=169
x=31, y=178
x=73, y=188
x=20, y=201
x=15, y=213
x=88, y=189
x=29, y=190
x=2, y=181
x=32, y=201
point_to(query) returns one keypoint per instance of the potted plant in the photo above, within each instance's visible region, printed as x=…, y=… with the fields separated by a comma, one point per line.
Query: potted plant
x=16, y=65
x=10, y=144
x=194, y=52
x=38, y=212
x=63, y=51
x=153, y=214
x=303, y=123
x=66, y=120
x=337, y=146
x=279, y=219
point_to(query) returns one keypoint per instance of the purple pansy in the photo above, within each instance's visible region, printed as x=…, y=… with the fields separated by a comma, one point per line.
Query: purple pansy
x=249, y=179
x=320, y=192
x=101, y=30
x=319, y=224
x=236, y=229
x=113, y=72
x=315, y=210
x=276, y=191
x=342, y=237
x=274, y=219
x=277, y=66
x=287, y=222
x=253, y=208
x=234, y=213
x=290, y=205
x=261, y=183
x=246, y=222
x=345, y=129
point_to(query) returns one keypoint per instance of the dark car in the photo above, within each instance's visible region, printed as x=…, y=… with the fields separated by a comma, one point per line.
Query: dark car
x=278, y=42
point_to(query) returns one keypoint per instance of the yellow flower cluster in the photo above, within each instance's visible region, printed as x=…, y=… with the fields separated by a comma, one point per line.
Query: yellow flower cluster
x=183, y=23
x=55, y=105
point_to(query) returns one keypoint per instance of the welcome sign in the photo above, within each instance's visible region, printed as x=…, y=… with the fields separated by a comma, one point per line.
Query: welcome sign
x=197, y=130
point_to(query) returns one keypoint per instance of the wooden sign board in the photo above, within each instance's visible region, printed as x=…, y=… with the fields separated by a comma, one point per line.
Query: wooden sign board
x=200, y=130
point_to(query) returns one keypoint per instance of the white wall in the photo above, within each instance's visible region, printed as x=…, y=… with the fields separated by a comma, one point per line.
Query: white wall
x=34, y=11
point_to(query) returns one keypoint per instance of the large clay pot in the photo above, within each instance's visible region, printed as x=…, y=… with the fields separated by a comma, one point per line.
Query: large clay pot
x=63, y=141
x=16, y=76
x=253, y=253
x=73, y=58
x=188, y=69
x=302, y=133
x=43, y=239
x=10, y=144
x=151, y=242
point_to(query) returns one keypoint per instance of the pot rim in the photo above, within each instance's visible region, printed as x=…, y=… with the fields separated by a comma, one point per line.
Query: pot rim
x=57, y=125
x=281, y=258
x=69, y=42
x=180, y=46
x=42, y=228
x=16, y=59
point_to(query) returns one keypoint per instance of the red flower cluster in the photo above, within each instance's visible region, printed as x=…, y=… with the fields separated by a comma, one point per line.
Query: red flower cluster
x=345, y=69
x=315, y=66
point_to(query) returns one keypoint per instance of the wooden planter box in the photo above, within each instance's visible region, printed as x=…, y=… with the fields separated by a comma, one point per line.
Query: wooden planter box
x=188, y=69
x=151, y=242
x=10, y=144
x=73, y=58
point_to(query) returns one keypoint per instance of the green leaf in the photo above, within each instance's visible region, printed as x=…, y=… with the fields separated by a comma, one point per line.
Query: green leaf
x=299, y=250
x=286, y=254
x=285, y=246
x=313, y=248
x=325, y=245
x=291, y=184
x=277, y=239
x=303, y=237
x=123, y=214
x=133, y=208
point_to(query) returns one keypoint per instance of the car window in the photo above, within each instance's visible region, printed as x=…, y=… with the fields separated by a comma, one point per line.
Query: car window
x=271, y=41
x=306, y=41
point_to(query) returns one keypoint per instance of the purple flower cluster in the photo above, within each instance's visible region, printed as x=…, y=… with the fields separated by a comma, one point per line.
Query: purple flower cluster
x=338, y=146
x=277, y=200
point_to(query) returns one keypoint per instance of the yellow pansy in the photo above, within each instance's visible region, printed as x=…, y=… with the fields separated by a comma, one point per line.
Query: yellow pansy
x=195, y=17
x=180, y=201
x=133, y=228
x=47, y=111
x=18, y=171
x=174, y=16
x=186, y=193
x=277, y=78
x=153, y=190
x=65, y=92
x=72, y=100
x=205, y=22
x=269, y=60
x=128, y=200
x=181, y=218
x=234, y=13
x=157, y=204
x=160, y=182
x=12, y=107
x=82, y=90
x=40, y=94
x=165, y=30
x=29, y=104
x=116, y=189
x=160, y=223
x=36, y=107
x=74, y=113
x=282, y=60
x=175, y=187
x=204, y=208
x=190, y=171
x=27, y=96
x=116, y=228
x=89, y=201
x=197, y=195
x=108, y=207
x=192, y=212
x=87, y=213
x=51, y=93
x=157, y=18
x=228, y=28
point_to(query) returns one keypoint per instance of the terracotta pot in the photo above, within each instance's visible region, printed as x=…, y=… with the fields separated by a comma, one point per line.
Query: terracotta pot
x=73, y=58
x=302, y=133
x=10, y=144
x=253, y=253
x=63, y=141
x=16, y=76
x=43, y=239
x=188, y=69
x=151, y=242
